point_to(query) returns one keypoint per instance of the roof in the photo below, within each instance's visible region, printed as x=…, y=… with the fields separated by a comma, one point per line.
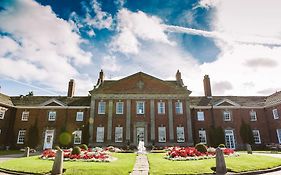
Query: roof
x=5, y=100
x=250, y=101
x=140, y=83
x=39, y=100
x=273, y=98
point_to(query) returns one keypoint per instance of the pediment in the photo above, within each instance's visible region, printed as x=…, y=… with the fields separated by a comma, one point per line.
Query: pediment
x=226, y=102
x=53, y=102
x=141, y=83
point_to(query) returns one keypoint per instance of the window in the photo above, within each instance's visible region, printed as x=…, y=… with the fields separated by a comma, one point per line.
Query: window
x=180, y=134
x=162, y=134
x=100, y=134
x=140, y=107
x=253, y=116
x=24, y=116
x=161, y=107
x=279, y=135
x=202, y=136
x=229, y=139
x=179, y=107
x=79, y=116
x=77, y=137
x=52, y=115
x=0, y=131
x=275, y=114
x=101, y=107
x=2, y=113
x=256, y=135
x=226, y=116
x=21, y=136
x=119, y=107
x=200, y=116
x=118, y=134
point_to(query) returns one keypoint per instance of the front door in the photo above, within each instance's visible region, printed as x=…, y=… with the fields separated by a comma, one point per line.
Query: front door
x=229, y=139
x=140, y=134
x=48, y=141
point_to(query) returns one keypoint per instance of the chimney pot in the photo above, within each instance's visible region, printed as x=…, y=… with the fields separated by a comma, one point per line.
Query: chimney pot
x=178, y=78
x=71, y=88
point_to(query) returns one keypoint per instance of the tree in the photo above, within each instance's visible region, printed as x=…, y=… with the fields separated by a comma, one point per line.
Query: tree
x=246, y=133
x=216, y=136
x=85, y=134
x=33, y=136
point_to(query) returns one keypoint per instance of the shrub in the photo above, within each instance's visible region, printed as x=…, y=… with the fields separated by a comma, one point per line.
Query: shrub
x=201, y=147
x=57, y=147
x=221, y=145
x=84, y=147
x=76, y=150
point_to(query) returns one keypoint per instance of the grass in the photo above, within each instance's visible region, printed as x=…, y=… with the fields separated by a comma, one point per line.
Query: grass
x=7, y=152
x=159, y=165
x=123, y=165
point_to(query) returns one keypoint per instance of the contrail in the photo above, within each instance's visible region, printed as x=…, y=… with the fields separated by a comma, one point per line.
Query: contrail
x=253, y=40
x=29, y=85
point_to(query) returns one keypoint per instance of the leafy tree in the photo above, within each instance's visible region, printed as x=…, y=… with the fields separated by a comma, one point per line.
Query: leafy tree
x=33, y=136
x=246, y=133
x=85, y=134
x=216, y=136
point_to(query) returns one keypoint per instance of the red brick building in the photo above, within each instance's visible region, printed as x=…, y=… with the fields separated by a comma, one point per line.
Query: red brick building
x=138, y=107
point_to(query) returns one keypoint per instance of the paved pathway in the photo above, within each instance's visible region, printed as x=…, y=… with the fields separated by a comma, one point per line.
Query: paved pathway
x=141, y=166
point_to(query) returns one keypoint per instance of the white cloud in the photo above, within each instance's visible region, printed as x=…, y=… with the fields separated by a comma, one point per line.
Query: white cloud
x=40, y=47
x=109, y=63
x=135, y=26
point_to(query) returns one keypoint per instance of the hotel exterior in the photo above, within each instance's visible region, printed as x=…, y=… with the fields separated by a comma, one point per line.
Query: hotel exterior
x=138, y=107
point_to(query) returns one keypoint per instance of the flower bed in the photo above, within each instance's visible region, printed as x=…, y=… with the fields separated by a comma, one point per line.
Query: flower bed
x=191, y=153
x=91, y=155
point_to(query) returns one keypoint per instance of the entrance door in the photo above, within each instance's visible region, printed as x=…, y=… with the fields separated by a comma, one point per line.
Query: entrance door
x=229, y=139
x=140, y=134
x=48, y=141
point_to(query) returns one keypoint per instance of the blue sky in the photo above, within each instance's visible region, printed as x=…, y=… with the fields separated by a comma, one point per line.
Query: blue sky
x=45, y=43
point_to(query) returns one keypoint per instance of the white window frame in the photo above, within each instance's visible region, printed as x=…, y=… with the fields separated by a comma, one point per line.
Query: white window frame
x=77, y=138
x=162, y=137
x=202, y=136
x=100, y=139
x=25, y=116
x=79, y=116
x=161, y=107
x=140, y=107
x=101, y=107
x=200, y=116
x=226, y=113
x=278, y=132
x=253, y=116
x=275, y=113
x=257, y=137
x=119, y=107
x=180, y=134
x=229, y=132
x=119, y=134
x=21, y=136
x=2, y=113
x=178, y=107
x=52, y=117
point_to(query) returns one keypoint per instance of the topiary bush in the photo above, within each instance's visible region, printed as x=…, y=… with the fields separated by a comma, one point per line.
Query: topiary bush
x=76, y=150
x=221, y=145
x=84, y=147
x=201, y=147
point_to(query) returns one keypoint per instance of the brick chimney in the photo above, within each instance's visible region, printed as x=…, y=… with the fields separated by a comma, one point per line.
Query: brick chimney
x=71, y=88
x=100, y=80
x=178, y=78
x=207, y=86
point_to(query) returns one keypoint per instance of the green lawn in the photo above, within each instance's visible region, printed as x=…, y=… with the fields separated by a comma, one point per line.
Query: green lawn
x=7, y=152
x=159, y=165
x=123, y=165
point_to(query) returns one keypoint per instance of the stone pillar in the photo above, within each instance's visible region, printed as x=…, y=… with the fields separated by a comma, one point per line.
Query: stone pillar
x=171, y=120
x=249, y=149
x=152, y=121
x=26, y=152
x=58, y=163
x=220, y=162
x=128, y=120
x=109, y=120
x=189, y=123
x=91, y=122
